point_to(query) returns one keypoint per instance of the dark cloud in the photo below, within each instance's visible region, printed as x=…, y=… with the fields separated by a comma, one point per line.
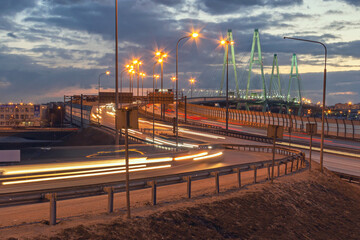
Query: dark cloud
x=12, y=35
x=334, y=12
x=339, y=25
x=232, y=6
x=171, y=3
x=352, y=2
x=10, y=7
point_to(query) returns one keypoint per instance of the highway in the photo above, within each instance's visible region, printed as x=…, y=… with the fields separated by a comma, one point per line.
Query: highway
x=76, y=166
x=69, y=174
x=340, y=155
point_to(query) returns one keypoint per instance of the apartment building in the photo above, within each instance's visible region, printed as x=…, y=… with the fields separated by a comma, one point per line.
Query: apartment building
x=21, y=115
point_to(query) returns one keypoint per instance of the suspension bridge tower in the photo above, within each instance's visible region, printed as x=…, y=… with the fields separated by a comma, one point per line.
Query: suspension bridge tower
x=294, y=77
x=256, y=61
x=275, y=83
x=231, y=61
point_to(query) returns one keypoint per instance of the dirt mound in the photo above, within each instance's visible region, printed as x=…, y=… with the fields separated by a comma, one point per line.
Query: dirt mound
x=308, y=205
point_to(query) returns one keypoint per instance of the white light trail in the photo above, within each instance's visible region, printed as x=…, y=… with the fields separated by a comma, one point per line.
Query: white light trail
x=209, y=156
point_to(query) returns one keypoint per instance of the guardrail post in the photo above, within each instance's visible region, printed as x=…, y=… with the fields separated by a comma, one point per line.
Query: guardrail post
x=297, y=163
x=255, y=173
x=153, y=192
x=268, y=171
x=292, y=165
x=110, y=192
x=278, y=169
x=52, y=198
x=285, y=168
x=188, y=186
x=238, y=174
x=217, y=185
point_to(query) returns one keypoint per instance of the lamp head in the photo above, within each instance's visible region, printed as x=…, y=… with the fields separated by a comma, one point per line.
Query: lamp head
x=194, y=35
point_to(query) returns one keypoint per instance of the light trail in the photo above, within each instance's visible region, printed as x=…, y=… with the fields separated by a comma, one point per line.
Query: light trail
x=318, y=149
x=191, y=156
x=201, y=134
x=82, y=175
x=70, y=173
x=40, y=168
x=208, y=156
x=183, y=130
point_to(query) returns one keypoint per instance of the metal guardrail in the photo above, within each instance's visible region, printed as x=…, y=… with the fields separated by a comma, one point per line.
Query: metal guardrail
x=294, y=157
x=348, y=177
x=341, y=128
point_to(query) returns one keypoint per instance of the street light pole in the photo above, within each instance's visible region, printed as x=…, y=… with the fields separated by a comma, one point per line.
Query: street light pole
x=194, y=35
x=107, y=73
x=116, y=75
x=323, y=105
x=226, y=43
x=227, y=87
x=154, y=102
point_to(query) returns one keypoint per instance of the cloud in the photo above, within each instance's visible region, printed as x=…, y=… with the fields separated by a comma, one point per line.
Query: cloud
x=10, y=7
x=4, y=83
x=352, y=2
x=342, y=93
x=232, y=6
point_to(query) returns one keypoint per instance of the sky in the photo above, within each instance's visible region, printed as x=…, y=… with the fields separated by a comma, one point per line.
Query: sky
x=52, y=48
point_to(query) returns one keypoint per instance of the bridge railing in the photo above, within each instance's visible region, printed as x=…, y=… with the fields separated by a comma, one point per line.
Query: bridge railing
x=342, y=128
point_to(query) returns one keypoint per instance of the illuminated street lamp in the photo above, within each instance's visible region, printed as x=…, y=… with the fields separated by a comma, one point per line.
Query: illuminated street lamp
x=131, y=71
x=142, y=83
x=161, y=55
x=105, y=73
x=126, y=69
x=226, y=44
x=192, y=82
x=323, y=103
x=137, y=64
x=192, y=35
x=156, y=76
x=173, y=79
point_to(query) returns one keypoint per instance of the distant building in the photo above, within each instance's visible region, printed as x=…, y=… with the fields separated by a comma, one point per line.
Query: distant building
x=346, y=106
x=21, y=115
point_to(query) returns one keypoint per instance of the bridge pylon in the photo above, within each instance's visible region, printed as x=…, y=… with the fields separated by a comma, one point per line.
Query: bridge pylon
x=231, y=61
x=258, y=60
x=275, y=83
x=294, y=77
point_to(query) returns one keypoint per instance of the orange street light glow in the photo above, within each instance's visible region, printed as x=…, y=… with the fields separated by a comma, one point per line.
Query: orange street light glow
x=194, y=35
x=107, y=72
x=135, y=61
x=158, y=53
x=160, y=60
